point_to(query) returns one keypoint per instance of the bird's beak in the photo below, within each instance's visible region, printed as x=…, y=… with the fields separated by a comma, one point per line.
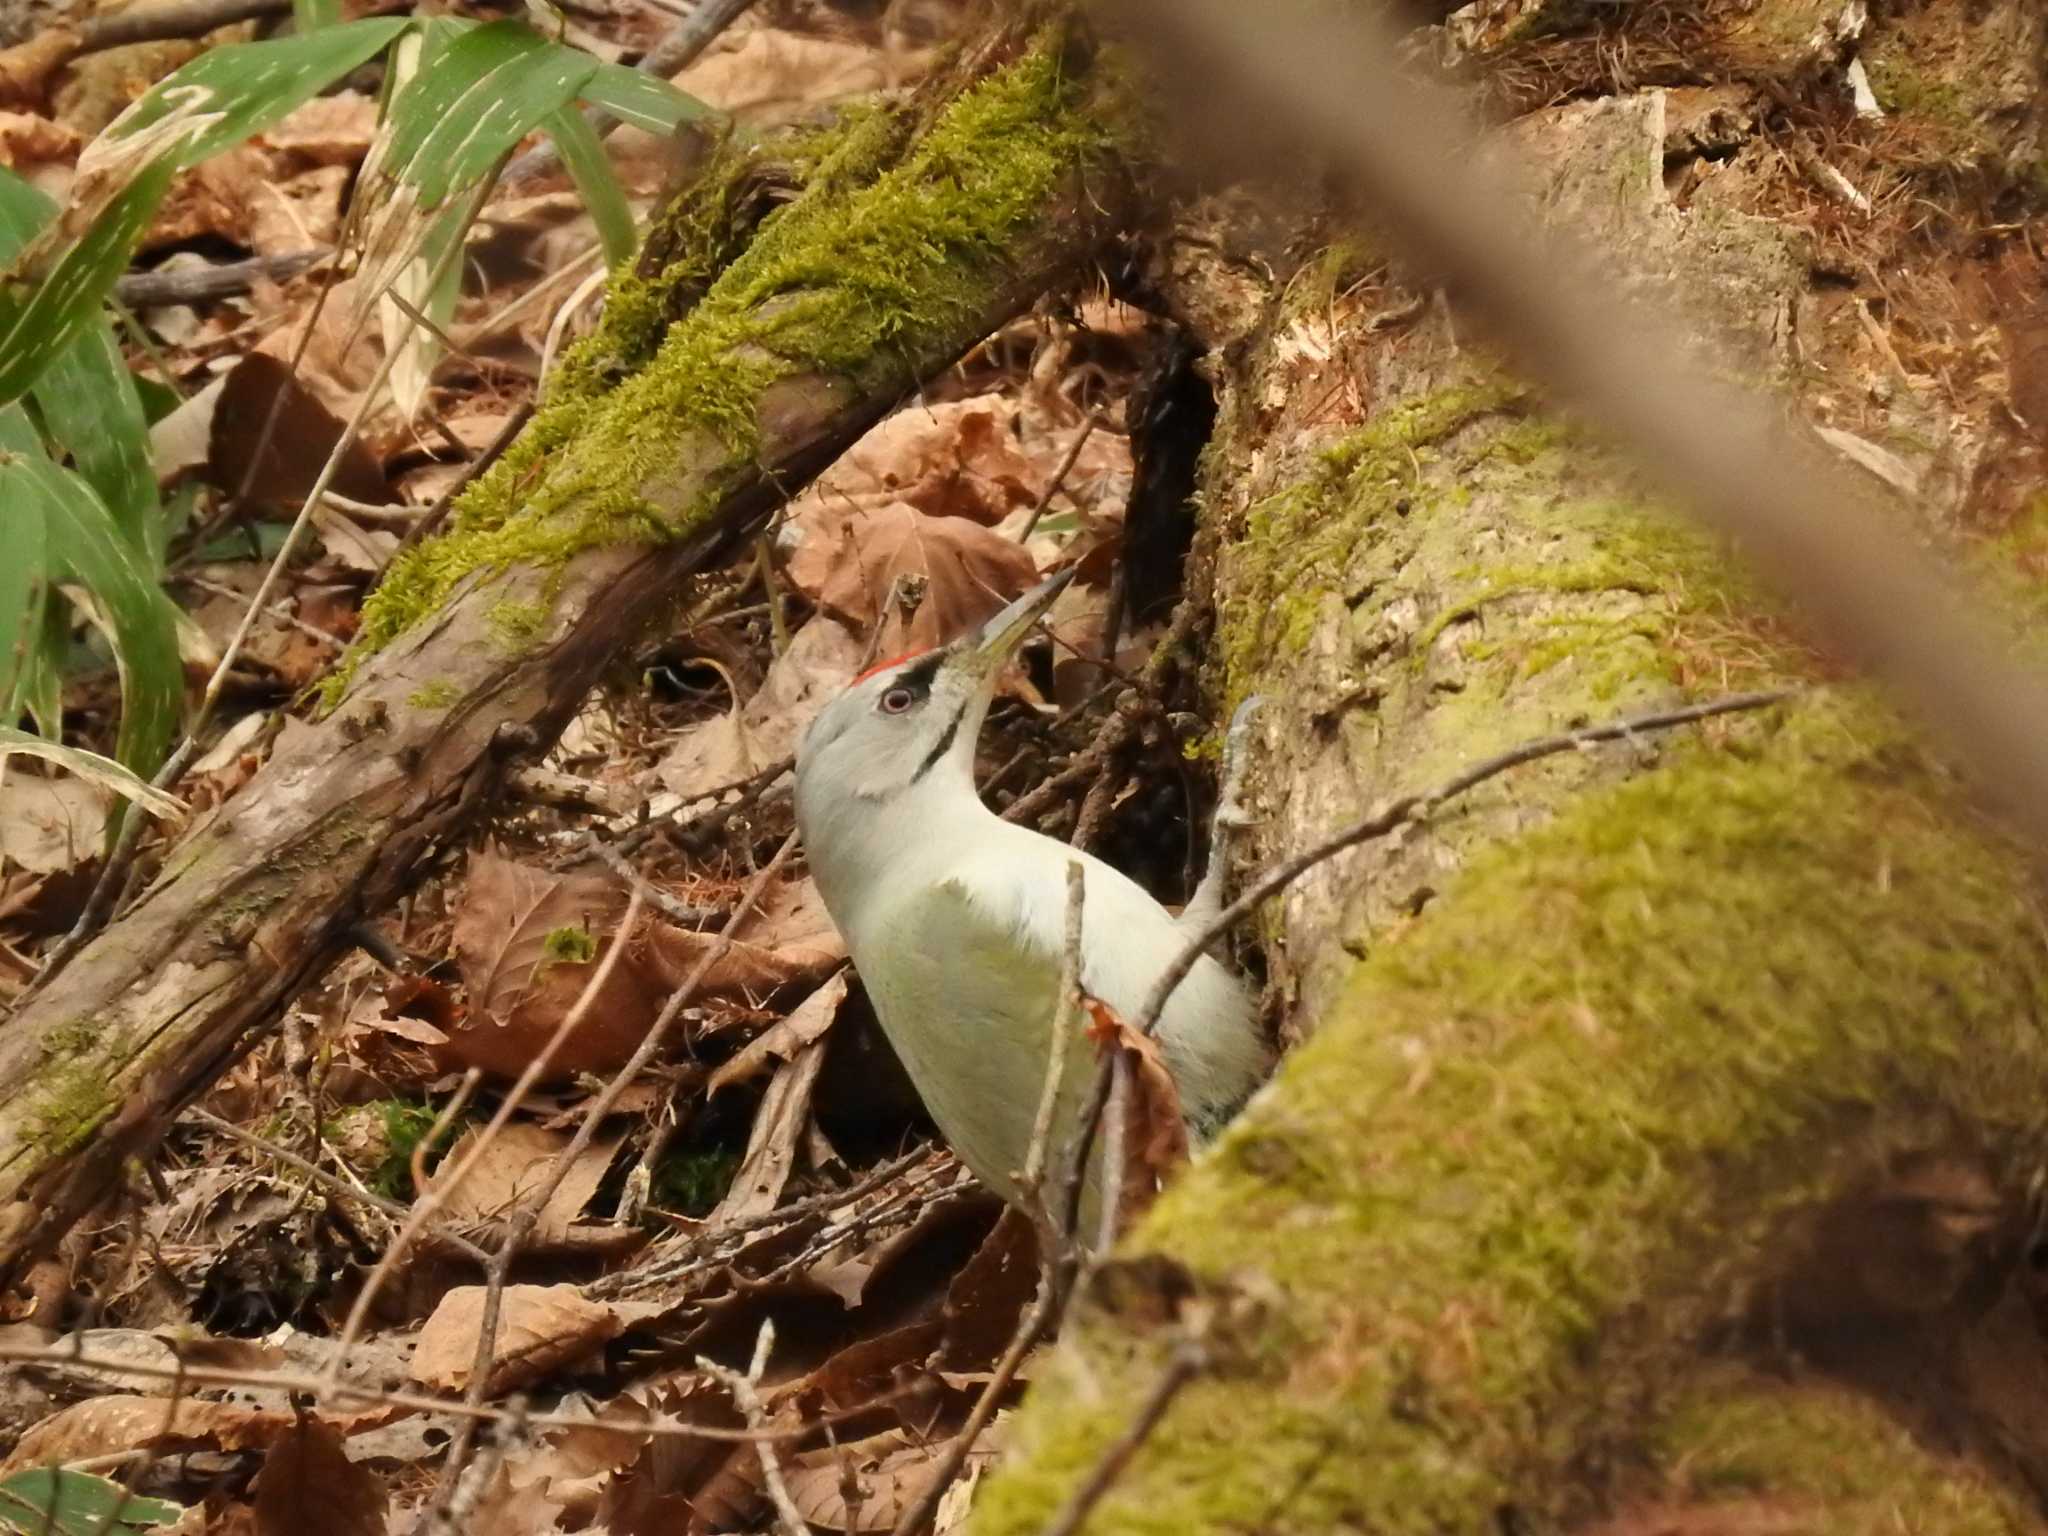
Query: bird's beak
x=996, y=641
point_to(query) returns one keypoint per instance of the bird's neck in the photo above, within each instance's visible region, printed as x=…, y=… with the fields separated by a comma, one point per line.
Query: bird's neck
x=863, y=851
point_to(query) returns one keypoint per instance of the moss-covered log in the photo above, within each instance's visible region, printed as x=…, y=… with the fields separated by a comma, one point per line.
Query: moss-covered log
x=1721, y=1046
x=664, y=444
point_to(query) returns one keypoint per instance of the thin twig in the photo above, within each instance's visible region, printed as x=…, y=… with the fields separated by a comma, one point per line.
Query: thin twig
x=746, y=1397
x=334, y=1185
x=223, y=280
x=188, y=18
x=1029, y=1331
x=1382, y=821
x=1188, y=1360
x=318, y=1387
x=1059, y=478
x=677, y=51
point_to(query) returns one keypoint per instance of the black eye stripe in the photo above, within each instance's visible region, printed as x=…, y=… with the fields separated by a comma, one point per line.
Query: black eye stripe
x=917, y=675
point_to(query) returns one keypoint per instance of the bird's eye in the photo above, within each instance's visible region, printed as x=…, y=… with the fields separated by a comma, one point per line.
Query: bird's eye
x=897, y=700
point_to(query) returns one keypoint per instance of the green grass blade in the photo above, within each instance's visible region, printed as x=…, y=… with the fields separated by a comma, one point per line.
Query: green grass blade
x=24, y=595
x=247, y=87
x=474, y=101
x=93, y=411
x=55, y=1501
x=86, y=548
x=583, y=153
x=59, y=309
x=643, y=100
x=24, y=210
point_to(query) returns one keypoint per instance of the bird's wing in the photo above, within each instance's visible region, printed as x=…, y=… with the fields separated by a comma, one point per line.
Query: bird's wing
x=966, y=998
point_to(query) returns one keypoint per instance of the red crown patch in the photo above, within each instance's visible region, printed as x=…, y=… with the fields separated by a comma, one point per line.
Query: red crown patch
x=883, y=666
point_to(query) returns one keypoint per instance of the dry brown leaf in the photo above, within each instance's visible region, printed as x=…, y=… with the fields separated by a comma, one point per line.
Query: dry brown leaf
x=26, y=68
x=540, y=1329
x=38, y=150
x=773, y=1143
x=521, y=985
x=888, y=1471
x=822, y=658
x=102, y=1426
x=765, y=75
x=958, y=458
x=788, y=940
x=49, y=825
x=307, y=430
x=516, y=1164
x=328, y=130
x=807, y=1022
x=309, y=1487
x=852, y=563
x=1155, y=1139
x=212, y=202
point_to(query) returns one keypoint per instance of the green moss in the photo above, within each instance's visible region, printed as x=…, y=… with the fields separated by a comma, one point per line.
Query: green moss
x=1304, y=538
x=405, y=1125
x=1553, y=1128
x=694, y=1182
x=516, y=623
x=569, y=946
x=1835, y=1457
x=72, y=1097
x=438, y=694
x=856, y=282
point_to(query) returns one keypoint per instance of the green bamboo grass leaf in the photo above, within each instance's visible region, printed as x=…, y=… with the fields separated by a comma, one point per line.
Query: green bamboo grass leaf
x=88, y=399
x=93, y=412
x=18, y=432
x=84, y=548
x=644, y=101
x=35, y=330
x=583, y=153
x=55, y=1501
x=248, y=87
x=93, y=768
x=481, y=95
x=24, y=210
x=24, y=598
x=313, y=15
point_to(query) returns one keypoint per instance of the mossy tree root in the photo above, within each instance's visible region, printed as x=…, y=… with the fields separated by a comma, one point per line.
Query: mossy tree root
x=1574, y=1124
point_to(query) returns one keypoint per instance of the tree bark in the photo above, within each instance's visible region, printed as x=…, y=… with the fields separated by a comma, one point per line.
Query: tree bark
x=1636, y=1064
x=717, y=388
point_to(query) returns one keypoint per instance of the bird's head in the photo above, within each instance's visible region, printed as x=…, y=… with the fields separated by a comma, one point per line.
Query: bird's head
x=914, y=720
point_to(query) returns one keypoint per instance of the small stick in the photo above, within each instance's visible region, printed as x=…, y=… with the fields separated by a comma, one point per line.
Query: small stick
x=1382, y=821
x=334, y=1185
x=189, y=18
x=196, y=285
x=1059, y=478
x=1188, y=1360
x=747, y=1398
